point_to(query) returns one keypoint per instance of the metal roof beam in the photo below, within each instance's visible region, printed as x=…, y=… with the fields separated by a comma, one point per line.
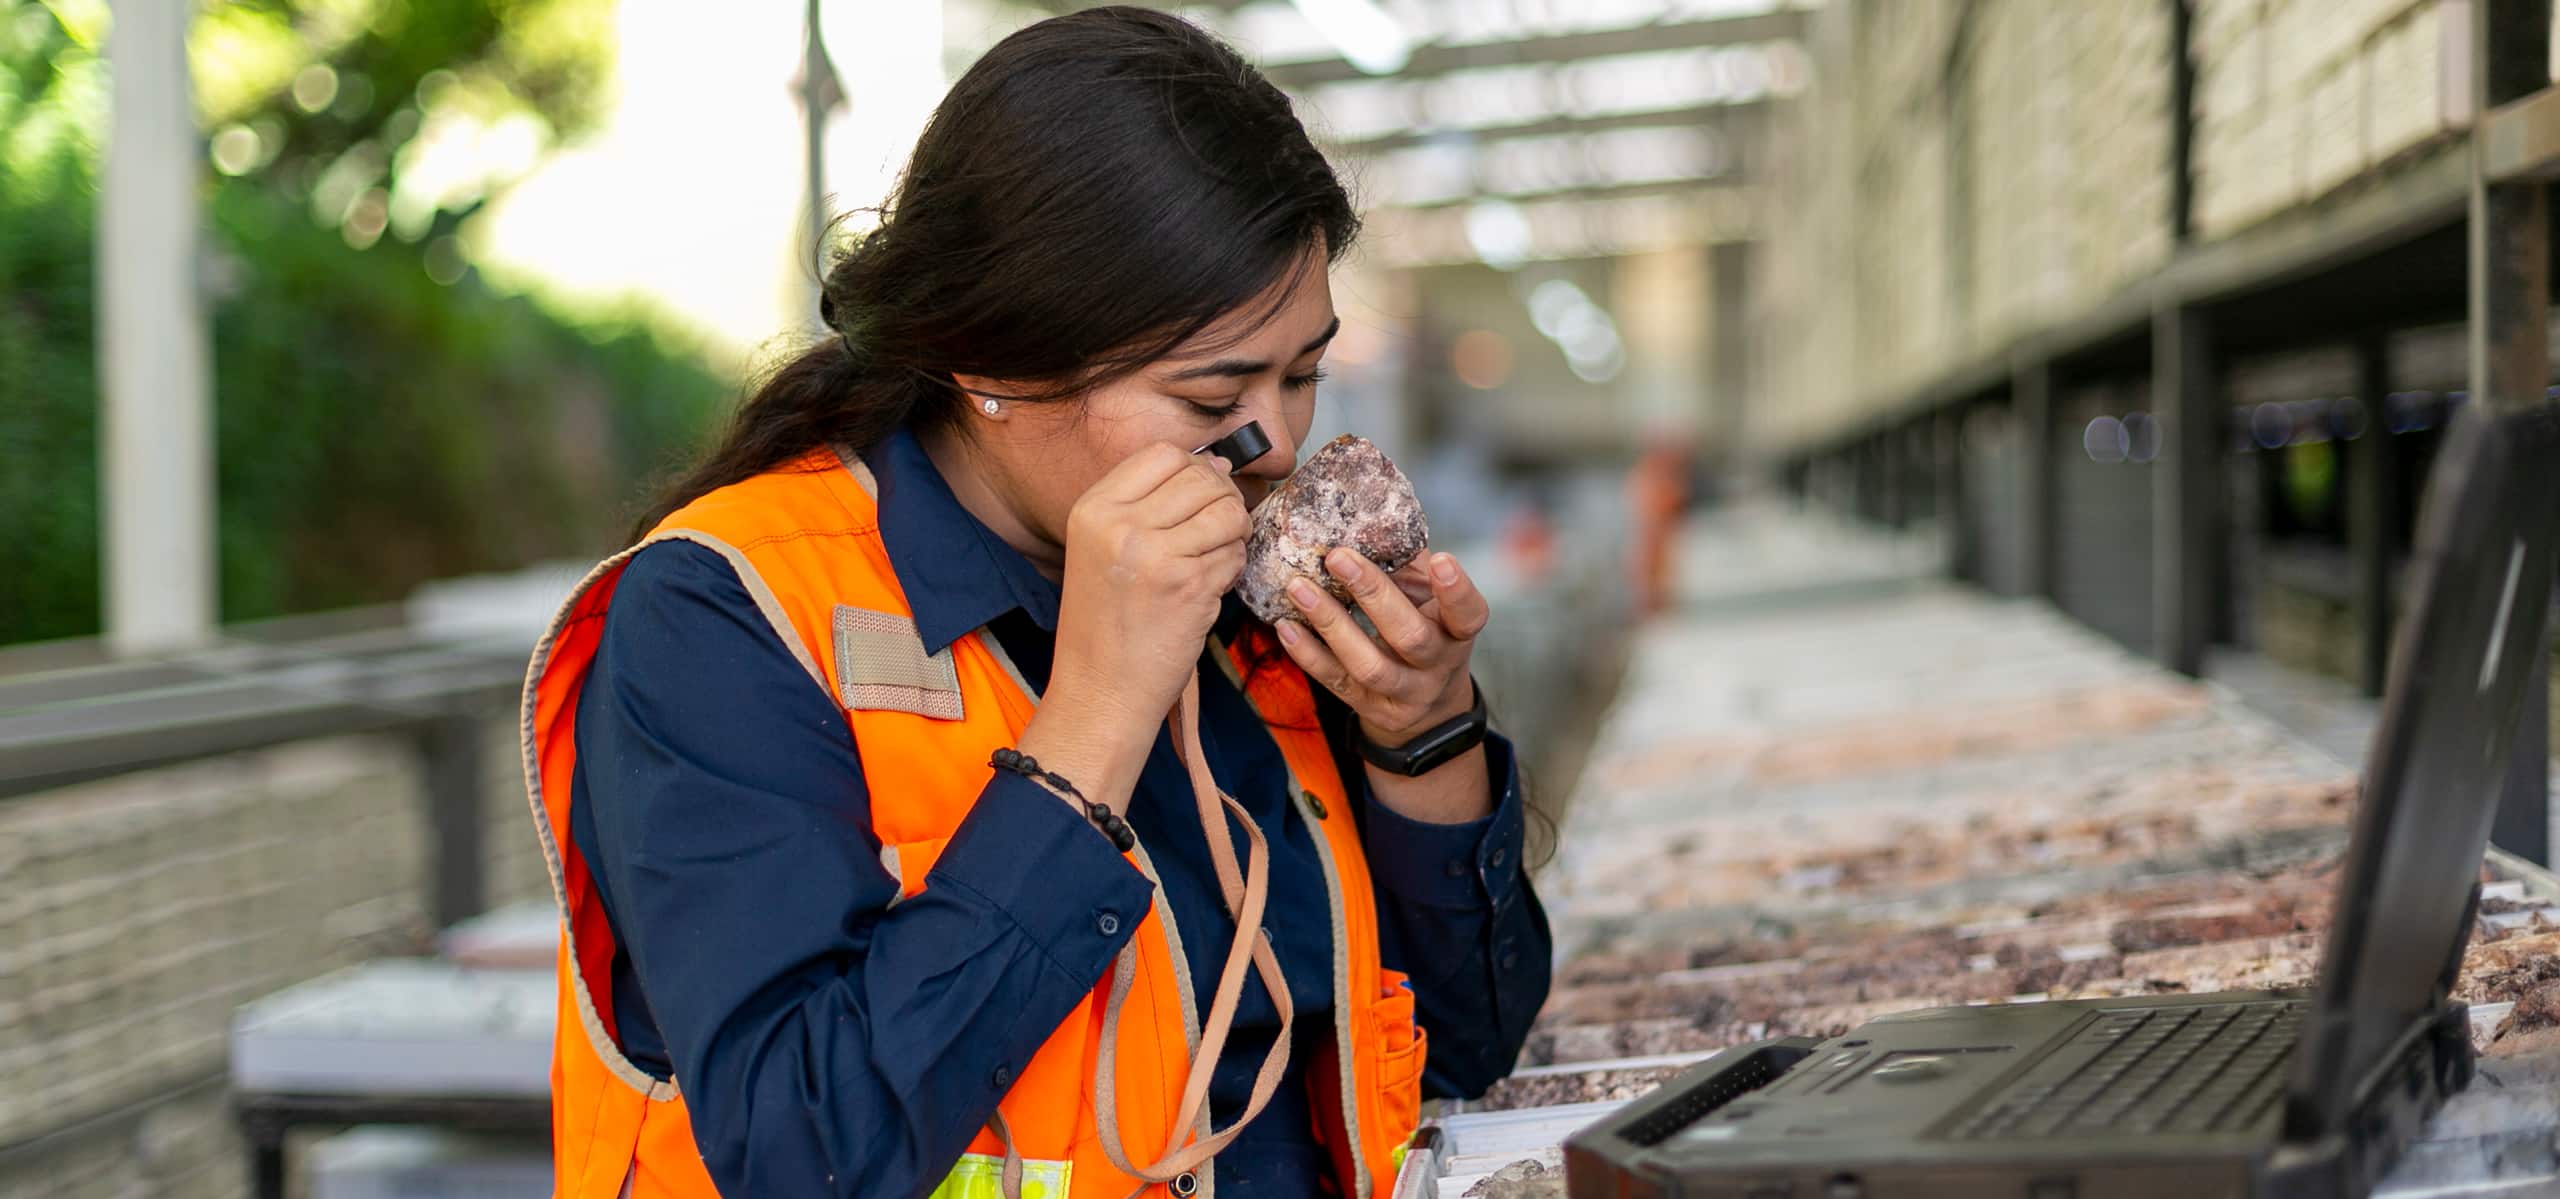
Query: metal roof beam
x=1581, y=225
x=1674, y=188
x=2520, y=139
x=1694, y=116
x=1459, y=172
x=1782, y=25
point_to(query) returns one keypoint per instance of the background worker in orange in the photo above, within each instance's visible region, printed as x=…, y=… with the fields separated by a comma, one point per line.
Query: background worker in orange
x=1658, y=492
x=1111, y=245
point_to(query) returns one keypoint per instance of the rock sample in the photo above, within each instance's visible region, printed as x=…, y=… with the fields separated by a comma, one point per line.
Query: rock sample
x=1528, y=1179
x=1588, y=1086
x=1346, y=494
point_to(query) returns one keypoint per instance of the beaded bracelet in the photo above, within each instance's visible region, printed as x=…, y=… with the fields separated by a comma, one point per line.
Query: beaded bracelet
x=1101, y=815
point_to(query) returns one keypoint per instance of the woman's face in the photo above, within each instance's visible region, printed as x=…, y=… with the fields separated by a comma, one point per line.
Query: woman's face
x=1049, y=454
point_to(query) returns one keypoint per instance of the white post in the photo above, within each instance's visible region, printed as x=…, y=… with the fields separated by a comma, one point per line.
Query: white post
x=819, y=95
x=155, y=440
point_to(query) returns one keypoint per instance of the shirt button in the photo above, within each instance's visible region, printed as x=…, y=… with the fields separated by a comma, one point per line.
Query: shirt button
x=1497, y=857
x=1002, y=1078
x=1185, y=1185
x=1457, y=868
x=1107, y=923
x=1510, y=962
x=1316, y=805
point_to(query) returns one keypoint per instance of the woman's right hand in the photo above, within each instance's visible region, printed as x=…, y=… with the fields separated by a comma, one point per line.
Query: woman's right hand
x=1151, y=550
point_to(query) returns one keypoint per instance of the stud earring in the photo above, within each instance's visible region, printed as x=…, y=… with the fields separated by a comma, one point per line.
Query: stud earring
x=990, y=407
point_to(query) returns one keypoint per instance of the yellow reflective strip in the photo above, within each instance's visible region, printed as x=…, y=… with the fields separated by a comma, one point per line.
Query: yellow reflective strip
x=981, y=1176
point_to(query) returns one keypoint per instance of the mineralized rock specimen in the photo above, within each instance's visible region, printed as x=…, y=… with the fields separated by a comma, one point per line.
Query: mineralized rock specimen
x=1590, y=1086
x=1529, y=1179
x=1346, y=494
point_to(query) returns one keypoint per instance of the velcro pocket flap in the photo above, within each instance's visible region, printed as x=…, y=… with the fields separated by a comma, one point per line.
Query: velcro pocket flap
x=881, y=666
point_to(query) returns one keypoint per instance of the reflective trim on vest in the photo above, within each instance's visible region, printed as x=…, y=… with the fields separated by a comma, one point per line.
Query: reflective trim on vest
x=615, y=1130
x=589, y=1021
x=981, y=1176
x=1343, y=1010
x=1367, y=997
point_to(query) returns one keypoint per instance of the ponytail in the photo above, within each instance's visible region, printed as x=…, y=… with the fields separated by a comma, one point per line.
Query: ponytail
x=823, y=397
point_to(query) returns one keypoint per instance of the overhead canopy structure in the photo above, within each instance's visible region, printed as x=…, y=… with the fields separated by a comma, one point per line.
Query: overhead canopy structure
x=1498, y=130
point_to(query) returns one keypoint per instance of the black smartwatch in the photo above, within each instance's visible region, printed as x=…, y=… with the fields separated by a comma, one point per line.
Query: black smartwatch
x=1435, y=746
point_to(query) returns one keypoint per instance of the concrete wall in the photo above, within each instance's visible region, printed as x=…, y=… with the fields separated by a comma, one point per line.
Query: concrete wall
x=1965, y=172
x=183, y=1146
x=137, y=912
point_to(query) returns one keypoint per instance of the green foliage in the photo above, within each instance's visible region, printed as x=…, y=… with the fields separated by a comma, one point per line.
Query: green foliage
x=375, y=428
x=48, y=405
x=443, y=429
x=336, y=94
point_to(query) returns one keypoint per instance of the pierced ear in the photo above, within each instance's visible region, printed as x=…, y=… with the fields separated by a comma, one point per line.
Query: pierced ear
x=986, y=397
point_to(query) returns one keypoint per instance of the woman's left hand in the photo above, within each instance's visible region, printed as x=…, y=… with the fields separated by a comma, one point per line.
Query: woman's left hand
x=1413, y=674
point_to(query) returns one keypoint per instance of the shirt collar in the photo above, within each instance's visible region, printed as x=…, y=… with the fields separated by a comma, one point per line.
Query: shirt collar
x=958, y=575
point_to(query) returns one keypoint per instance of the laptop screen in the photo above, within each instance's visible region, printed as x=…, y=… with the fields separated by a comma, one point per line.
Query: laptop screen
x=2480, y=592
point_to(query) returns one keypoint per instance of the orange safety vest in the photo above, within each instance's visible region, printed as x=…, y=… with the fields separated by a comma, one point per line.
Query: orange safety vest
x=805, y=541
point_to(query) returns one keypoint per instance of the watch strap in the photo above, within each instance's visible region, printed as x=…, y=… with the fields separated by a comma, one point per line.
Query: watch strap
x=1433, y=746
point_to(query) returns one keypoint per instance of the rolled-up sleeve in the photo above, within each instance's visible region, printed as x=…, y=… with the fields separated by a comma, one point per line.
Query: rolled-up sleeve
x=829, y=1037
x=1457, y=913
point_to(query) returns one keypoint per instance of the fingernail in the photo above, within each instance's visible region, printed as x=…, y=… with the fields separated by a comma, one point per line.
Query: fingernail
x=1445, y=568
x=1302, y=593
x=1289, y=633
x=1344, y=565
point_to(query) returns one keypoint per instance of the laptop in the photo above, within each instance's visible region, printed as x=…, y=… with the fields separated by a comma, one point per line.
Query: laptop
x=2291, y=1093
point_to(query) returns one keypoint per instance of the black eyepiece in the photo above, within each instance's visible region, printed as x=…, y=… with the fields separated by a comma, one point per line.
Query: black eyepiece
x=1241, y=447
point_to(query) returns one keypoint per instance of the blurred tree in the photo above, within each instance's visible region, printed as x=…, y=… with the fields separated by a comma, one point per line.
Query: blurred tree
x=382, y=417
x=50, y=92
x=404, y=115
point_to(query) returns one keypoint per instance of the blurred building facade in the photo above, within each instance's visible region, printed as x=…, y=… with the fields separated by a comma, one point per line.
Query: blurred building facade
x=1966, y=173
x=2158, y=308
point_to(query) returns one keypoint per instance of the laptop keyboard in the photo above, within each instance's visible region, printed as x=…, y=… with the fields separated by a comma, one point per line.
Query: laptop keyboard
x=2208, y=1068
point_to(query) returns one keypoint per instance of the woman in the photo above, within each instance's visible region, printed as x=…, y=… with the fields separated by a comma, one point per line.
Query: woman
x=837, y=767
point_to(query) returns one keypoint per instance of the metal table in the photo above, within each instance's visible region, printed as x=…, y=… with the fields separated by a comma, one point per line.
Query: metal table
x=401, y=1041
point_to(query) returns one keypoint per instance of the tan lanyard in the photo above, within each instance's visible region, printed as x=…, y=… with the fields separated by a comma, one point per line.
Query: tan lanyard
x=1245, y=891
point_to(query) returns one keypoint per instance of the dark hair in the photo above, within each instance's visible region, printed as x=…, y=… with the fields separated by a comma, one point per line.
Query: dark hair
x=1096, y=190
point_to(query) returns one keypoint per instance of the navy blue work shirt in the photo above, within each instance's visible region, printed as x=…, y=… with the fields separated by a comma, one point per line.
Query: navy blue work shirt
x=826, y=1041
